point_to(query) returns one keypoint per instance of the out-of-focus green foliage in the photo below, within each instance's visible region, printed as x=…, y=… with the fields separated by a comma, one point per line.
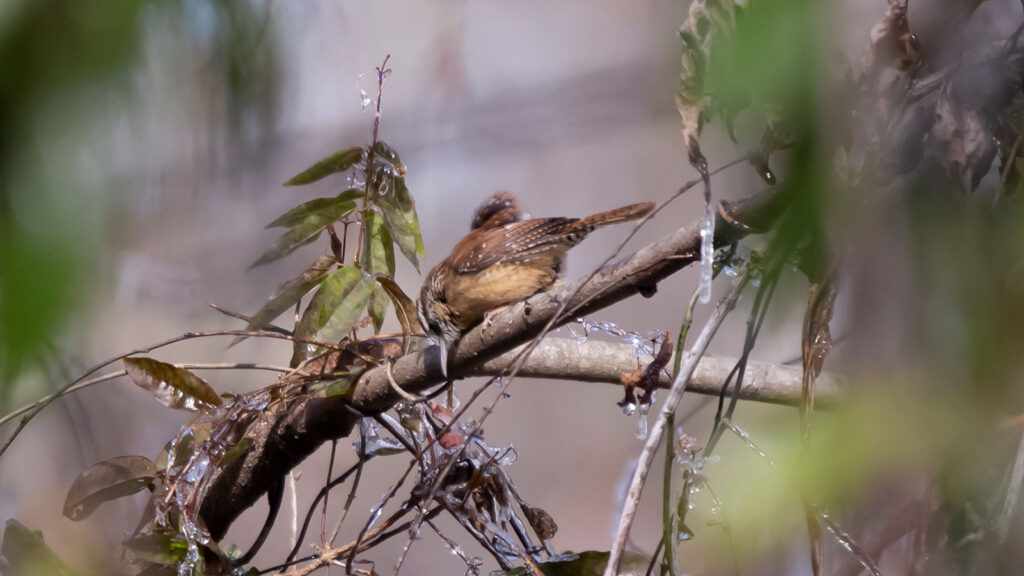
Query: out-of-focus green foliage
x=59, y=58
x=67, y=68
x=27, y=554
x=588, y=563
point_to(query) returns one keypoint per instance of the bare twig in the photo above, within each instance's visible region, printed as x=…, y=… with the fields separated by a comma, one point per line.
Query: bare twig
x=79, y=383
x=658, y=431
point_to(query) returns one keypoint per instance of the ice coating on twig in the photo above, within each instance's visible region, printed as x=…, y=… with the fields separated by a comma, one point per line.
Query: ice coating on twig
x=707, y=252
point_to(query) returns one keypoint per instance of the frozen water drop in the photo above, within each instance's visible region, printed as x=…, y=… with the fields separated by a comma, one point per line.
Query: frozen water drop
x=629, y=408
x=641, y=422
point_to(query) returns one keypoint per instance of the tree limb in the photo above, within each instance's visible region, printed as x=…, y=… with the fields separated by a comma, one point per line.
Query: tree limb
x=597, y=361
x=300, y=426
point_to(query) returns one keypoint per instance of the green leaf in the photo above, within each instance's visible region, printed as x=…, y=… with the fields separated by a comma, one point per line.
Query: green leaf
x=108, y=480
x=289, y=293
x=165, y=548
x=332, y=312
x=378, y=257
x=337, y=387
x=339, y=205
x=389, y=154
x=405, y=308
x=27, y=554
x=378, y=306
x=338, y=162
x=174, y=387
x=308, y=223
x=400, y=217
x=236, y=451
x=378, y=253
x=589, y=563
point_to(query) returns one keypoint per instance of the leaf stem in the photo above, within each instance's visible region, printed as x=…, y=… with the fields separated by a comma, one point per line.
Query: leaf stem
x=382, y=74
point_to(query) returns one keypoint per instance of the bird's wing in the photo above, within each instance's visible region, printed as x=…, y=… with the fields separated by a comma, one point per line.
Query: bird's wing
x=515, y=242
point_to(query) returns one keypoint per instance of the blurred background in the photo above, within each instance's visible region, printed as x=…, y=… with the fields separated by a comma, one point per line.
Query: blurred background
x=143, y=149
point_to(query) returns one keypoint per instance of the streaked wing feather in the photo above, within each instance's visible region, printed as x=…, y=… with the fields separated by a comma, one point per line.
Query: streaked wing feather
x=520, y=241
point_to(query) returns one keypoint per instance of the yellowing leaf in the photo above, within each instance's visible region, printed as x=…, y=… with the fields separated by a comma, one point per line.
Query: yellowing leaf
x=405, y=307
x=174, y=387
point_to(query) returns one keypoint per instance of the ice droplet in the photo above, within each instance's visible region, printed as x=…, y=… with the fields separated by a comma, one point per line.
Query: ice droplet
x=364, y=98
x=707, y=252
x=641, y=422
x=578, y=336
x=629, y=408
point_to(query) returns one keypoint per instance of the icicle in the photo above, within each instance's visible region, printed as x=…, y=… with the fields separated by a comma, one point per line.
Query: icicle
x=707, y=252
x=641, y=422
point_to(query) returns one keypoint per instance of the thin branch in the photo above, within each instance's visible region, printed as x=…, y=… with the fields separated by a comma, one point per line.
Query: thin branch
x=603, y=362
x=81, y=384
x=658, y=431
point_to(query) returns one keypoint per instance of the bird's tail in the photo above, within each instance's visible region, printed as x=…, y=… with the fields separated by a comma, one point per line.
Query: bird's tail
x=623, y=214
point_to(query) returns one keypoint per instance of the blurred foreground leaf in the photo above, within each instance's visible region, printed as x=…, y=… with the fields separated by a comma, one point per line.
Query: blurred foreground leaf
x=589, y=563
x=28, y=555
x=174, y=387
x=108, y=480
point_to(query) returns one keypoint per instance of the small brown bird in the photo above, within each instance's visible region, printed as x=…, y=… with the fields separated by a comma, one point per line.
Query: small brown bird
x=504, y=259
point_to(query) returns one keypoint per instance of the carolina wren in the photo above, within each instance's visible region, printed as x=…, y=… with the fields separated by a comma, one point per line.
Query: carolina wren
x=504, y=259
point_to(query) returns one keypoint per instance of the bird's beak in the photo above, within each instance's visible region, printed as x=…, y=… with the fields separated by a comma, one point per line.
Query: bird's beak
x=442, y=348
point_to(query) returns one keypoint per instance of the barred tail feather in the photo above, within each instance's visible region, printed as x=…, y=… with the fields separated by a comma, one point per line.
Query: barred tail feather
x=623, y=214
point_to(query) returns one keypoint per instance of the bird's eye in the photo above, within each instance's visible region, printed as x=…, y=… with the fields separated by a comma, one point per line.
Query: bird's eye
x=441, y=298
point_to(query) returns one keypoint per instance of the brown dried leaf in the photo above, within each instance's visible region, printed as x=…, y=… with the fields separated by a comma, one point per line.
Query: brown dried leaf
x=108, y=480
x=892, y=44
x=960, y=140
x=405, y=308
x=541, y=522
x=706, y=23
x=817, y=338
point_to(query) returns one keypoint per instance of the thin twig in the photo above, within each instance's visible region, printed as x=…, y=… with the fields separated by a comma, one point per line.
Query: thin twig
x=398, y=389
x=725, y=305
x=82, y=384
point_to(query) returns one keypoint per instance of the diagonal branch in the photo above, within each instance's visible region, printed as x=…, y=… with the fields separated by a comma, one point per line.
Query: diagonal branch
x=301, y=426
